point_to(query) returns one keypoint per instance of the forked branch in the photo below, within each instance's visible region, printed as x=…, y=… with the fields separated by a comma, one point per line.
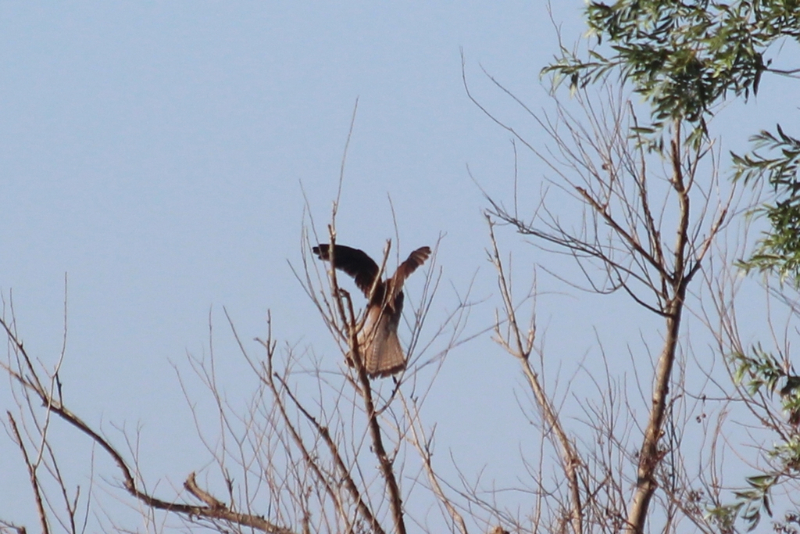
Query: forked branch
x=520, y=346
x=213, y=509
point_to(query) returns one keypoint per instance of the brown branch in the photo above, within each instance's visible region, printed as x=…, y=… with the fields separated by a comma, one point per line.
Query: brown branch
x=224, y=513
x=627, y=237
x=650, y=456
x=192, y=487
x=570, y=459
x=386, y=465
x=422, y=444
x=341, y=467
x=344, y=306
x=34, y=479
x=12, y=526
x=269, y=379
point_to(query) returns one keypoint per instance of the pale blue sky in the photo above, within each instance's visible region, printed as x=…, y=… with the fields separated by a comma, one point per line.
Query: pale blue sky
x=154, y=152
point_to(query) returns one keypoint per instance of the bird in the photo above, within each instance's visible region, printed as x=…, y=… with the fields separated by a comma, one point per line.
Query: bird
x=378, y=343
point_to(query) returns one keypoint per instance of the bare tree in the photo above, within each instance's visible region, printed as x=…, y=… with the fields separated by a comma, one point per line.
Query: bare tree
x=335, y=449
x=761, y=390
x=343, y=455
x=638, y=213
x=320, y=447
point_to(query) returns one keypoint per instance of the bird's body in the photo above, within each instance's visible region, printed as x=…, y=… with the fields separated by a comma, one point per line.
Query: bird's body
x=378, y=343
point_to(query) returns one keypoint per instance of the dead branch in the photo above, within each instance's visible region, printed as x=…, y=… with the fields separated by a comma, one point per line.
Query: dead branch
x=32, y=384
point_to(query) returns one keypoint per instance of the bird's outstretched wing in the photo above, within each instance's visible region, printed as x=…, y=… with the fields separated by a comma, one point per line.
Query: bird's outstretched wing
x=415, y=259
x=354, y=262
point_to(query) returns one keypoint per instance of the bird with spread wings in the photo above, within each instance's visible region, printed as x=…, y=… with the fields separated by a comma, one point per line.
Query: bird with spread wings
x=378, y=343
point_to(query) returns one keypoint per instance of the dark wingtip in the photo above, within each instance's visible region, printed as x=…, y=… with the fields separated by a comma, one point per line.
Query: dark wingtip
x=421, y=254
x=321, y=251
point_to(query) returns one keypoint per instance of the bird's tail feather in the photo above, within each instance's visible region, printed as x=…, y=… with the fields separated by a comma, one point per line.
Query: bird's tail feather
x=384, y=356
x=380, y=348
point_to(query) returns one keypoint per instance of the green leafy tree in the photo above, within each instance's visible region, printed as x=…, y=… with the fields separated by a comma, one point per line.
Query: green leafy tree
x=326, y=451
x=686, y=59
